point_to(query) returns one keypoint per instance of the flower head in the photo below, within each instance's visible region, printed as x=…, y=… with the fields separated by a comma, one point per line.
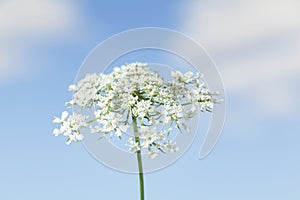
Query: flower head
x=134, y=91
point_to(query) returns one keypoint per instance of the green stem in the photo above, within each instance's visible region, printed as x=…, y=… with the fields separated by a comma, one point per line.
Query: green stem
x=139, y=158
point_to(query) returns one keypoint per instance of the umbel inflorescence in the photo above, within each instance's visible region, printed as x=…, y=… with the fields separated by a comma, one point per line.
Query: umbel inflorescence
x=135, y=93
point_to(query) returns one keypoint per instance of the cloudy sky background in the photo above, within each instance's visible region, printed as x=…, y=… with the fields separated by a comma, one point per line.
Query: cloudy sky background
x=255, y=45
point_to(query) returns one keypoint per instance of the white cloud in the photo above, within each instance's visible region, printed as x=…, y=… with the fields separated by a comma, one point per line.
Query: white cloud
x=19, y=17
x=22, y=22
x=256, y=46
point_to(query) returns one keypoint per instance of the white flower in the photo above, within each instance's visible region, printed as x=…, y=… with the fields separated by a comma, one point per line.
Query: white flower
x=74, y=137
x=72, y=88
x=170, y=147
x=133, y=145
x=64, y=116
x=69, y=103
x=56, y=132
x=141, y=109
x=70, y=126
x=147, y=136
x=135, y=91
x=153, y=154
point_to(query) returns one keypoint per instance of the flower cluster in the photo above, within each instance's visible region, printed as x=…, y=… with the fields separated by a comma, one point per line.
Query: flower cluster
x=70, y=126
x=133, y=94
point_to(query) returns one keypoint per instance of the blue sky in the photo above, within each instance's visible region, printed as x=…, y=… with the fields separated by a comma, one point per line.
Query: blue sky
x=255, y=45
